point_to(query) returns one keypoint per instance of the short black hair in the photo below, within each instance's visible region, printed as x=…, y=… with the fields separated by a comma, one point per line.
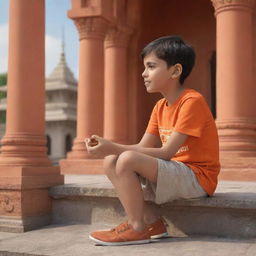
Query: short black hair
x=173, y=50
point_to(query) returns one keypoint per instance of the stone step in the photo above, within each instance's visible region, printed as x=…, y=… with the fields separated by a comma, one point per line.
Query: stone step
x=91, y=199
x=72, y=240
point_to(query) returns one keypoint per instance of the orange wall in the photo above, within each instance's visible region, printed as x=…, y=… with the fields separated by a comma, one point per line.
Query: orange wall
x=195, y=22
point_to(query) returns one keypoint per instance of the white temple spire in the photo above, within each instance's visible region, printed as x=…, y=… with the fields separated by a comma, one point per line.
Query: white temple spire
x=63, y=40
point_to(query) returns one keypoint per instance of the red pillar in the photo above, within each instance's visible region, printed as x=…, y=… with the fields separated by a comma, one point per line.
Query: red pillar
x=25, y=170
x=236, y=91
x=116, y=91
x=92, y=27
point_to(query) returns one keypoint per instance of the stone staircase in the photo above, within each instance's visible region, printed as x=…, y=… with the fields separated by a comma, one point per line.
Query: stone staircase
x=89, y=202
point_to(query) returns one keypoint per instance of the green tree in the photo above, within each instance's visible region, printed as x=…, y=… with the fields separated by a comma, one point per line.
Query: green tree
x=3, y=79
x=3, y=82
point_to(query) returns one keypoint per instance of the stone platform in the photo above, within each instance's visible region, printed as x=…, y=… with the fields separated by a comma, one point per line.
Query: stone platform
x=91, y=199
x=224, y=224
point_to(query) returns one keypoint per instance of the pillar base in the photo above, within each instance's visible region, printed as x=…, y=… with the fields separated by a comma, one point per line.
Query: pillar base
x=241, y=174
x=237, y=137
x=19, y=225
x=29, y=177
x=24, y=199
x=81, y=166
x=237, y=149
x=236, y=168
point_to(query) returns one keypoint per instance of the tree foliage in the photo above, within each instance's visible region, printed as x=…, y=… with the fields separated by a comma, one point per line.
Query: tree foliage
x=3, y=82
x=3, y=79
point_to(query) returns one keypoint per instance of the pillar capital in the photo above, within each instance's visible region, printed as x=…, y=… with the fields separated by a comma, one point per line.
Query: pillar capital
x=117, y=37
x=91, y=27
x=225, y=5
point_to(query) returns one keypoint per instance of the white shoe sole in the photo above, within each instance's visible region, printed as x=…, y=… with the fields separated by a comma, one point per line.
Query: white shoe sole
x=160, y=235
x=152, y=238
x=120, y=243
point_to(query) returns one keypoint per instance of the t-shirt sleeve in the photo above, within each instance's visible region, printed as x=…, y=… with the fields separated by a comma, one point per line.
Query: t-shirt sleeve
x=153, y=123
x=191, y=118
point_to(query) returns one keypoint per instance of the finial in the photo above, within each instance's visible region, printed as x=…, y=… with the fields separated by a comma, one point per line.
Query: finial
x=63, y=40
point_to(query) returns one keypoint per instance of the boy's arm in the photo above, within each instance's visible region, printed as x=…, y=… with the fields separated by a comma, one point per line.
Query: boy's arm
x=149, y=145
x=103, y=147
x=148, y=141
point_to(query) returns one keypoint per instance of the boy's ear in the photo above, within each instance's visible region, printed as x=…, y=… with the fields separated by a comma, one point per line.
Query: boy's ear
x=177, y=70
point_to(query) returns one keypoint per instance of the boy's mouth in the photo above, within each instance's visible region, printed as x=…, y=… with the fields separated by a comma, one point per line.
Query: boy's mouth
x=146, y=82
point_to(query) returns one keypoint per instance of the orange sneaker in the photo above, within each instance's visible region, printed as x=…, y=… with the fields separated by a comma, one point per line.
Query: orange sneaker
x=124, y=234
x=158, y=229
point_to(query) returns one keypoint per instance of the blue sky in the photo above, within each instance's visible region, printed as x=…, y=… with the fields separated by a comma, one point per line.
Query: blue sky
x=56, y=18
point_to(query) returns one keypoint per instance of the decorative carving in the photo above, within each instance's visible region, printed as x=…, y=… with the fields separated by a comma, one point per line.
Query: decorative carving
x=6, y=203
x=91, y=27
x=117, y=37
x=223, y=5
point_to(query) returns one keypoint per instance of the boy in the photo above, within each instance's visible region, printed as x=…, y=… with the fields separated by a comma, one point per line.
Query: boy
x=178, y=154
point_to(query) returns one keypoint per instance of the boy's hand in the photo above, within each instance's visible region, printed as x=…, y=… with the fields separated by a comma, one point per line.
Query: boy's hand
x=92, y=142
x=99, y=146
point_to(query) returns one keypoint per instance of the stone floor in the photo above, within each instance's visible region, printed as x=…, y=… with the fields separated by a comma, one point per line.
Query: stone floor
x=72, y=240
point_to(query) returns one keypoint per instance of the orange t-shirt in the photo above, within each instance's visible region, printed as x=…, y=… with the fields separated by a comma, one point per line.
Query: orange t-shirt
x=190, y=115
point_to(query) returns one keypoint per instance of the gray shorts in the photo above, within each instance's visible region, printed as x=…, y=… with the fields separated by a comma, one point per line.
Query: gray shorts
x=175, y=181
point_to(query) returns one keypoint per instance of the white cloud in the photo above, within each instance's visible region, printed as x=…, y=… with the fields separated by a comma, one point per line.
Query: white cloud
x=3, y=47
x=52, y=50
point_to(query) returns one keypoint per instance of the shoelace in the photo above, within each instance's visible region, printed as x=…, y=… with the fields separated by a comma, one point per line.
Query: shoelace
x=117, y=227
x=123, y=227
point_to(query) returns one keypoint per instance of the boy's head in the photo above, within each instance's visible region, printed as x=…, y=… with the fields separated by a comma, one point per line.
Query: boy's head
x=173, y=50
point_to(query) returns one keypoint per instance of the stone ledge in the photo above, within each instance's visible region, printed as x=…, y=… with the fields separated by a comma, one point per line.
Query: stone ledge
x=91, y=199
x=238, y=195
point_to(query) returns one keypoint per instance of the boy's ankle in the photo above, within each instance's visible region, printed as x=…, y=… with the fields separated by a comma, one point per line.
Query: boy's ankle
x=138, y=225
x=149, y=220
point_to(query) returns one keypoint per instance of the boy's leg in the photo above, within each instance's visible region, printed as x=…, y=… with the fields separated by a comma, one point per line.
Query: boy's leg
x=122, y=171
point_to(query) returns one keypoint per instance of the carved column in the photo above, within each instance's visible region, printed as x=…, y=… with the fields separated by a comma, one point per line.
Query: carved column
x=25, y=170
x=236, y=117
x=90, y=100
x=90, y=103
x=116, y=91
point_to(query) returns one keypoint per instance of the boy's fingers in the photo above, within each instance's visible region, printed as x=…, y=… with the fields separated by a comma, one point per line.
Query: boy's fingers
x=90, y=142
x=94, y=140
x=95, y=137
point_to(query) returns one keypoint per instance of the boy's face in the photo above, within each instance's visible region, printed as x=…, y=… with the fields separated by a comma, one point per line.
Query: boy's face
x=157, y=76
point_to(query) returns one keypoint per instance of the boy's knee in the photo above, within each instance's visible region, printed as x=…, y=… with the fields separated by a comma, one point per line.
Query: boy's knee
x=109, y=164
x=125, y=159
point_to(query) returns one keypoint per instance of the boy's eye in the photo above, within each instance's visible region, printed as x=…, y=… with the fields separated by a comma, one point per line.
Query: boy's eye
x=151, y=66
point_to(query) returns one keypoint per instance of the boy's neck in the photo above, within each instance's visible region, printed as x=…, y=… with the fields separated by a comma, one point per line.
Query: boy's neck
x=172, y=95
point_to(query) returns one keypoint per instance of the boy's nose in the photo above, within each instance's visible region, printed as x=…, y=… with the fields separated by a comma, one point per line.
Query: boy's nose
x=144, y=74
